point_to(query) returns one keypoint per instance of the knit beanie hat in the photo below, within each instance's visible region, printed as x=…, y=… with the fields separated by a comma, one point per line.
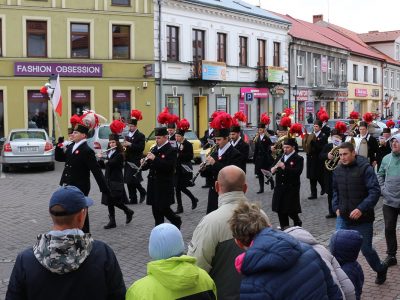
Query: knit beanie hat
x=165, y=241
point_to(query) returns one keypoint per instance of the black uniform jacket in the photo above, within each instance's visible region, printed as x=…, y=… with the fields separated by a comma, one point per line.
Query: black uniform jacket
x=244, y=149
x=286, y=198
x=383, y=150
x=134, y=154
x=262, y=154
x=78, y=166
x=185, y=156
x=327, y=173
x=315, y=166
x=160, y=184
x=205, y=138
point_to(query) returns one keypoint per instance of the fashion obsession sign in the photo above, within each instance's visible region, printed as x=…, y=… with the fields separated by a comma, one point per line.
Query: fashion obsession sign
x=63, y=69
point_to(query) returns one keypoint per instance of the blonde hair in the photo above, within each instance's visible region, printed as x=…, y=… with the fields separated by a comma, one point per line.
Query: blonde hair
x=247, y=221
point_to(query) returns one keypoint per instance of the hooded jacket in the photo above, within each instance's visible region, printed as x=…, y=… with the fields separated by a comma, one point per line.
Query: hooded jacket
x=389, y=180
x=277, y=266
x=345, y=245
x=339, y=276
x=173, y=278
x=72, y=266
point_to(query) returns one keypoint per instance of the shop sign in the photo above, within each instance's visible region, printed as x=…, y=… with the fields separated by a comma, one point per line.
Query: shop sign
x=212, y=70
x=63, y=69
x=324, y=64
x=275, y=74
x=257, y=92
x=309, y=107
x=121, y=95
x=361, y=92
x=302, y=95
x=36, y=95
x=341, y=96
x=80, y=96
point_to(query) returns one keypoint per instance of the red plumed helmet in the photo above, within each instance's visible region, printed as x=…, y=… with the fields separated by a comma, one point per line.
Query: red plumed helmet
x=240, y=116
x=164, y=116
x=354, y=115
x=216, y=114
x=323, y=116
x=117, y=127
x=74, y=120
x=43, y=90
x=341, y=127
x=368, y=117
x=235, y=122
x=265, y=119
x=288, y=112
x=223, y=120
x=285, y=122
x=173, y=119
x=136, y=114
x=296, y=128
x=183, y=125
x=390, y=124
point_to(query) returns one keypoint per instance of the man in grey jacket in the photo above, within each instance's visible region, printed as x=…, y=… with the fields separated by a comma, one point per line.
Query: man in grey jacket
x=212, y=243
x=389, y=181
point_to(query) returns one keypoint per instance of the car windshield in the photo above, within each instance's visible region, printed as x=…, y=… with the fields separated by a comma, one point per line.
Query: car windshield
x=104, y=132
x=19, y=135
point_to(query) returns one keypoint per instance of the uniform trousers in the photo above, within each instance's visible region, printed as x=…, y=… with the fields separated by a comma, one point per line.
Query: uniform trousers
x=160, y=212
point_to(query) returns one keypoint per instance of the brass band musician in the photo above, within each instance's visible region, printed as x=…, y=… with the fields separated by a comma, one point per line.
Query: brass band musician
x=384, y=146
x=366, y=138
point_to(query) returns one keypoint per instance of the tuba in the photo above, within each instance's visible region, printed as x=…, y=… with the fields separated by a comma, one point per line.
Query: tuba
x=331, y=164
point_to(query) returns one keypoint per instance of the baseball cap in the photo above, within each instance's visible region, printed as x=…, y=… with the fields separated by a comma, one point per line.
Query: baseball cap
x=71, y=199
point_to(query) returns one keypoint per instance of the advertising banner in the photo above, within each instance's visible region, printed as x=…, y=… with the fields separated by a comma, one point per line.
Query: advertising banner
x=275, y=74
x=257, y=92
x=212, y=70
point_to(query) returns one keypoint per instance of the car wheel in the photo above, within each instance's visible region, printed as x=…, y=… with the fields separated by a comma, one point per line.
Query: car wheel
x=51, y=167
x=6, y=169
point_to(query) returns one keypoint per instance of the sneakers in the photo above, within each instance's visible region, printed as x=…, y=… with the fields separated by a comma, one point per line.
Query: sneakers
x=381, y=276
x=390, y=260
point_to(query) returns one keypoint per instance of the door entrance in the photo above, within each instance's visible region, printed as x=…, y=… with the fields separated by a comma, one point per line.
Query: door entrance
x=200, y=117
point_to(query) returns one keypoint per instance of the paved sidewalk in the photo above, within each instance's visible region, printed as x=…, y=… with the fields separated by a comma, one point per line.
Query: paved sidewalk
x=23, y=215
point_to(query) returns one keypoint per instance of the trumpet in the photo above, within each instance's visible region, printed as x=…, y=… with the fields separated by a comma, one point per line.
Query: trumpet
x=331, y=164
x=203, y=165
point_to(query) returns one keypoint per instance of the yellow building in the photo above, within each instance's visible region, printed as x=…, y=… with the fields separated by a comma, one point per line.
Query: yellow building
x=101, y=49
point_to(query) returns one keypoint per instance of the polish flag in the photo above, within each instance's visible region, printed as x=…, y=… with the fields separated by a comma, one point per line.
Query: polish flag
x=56, y=100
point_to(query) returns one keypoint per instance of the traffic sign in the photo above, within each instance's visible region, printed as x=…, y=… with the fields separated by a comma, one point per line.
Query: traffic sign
x=248, y=97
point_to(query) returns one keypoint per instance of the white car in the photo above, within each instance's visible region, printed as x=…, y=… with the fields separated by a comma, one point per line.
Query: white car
x=98, y=138
x=27, y=147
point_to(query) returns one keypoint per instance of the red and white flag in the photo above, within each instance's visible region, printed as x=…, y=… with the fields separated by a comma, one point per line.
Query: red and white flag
x=56, y=100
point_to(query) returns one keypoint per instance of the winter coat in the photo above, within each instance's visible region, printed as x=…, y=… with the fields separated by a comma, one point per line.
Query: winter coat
x=262, y=154
x=66, y=267
x=389, y=180
x=277, y=266
x=345, y=246
x=315, y=166
x=355, y=186
x=173, y=278
x=134, y=154
x=184, y=162
x=244, y=149
x=286, y=198
x=339, y=276
x=115, y=180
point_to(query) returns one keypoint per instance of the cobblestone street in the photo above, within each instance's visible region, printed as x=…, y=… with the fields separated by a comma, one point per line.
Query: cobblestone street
x=24, y=214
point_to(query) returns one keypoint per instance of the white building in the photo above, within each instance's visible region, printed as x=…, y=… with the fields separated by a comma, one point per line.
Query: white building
x=213, y=52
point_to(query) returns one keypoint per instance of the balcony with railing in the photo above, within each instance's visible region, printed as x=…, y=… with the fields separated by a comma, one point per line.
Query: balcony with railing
x=207, y=72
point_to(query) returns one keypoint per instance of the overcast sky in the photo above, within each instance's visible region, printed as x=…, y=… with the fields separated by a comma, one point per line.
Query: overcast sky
x=357, y=15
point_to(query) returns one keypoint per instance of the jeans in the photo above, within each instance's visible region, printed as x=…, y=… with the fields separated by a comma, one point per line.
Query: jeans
x=366, y=230
x=390, y=215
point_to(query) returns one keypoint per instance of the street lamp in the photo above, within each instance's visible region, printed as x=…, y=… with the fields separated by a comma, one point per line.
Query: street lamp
x=53, y=82
x=386, y=105
x=295, y=102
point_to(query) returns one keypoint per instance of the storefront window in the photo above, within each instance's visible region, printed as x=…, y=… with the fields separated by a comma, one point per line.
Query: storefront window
x=1, y=114
x=80, y=101
x=173, y=105
x=38, y=110
x=121, y=105
x=357, y=105
x=222, y=104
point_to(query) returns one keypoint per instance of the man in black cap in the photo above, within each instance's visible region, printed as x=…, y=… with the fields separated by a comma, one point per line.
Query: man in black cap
x=224, y=154
x=286, y=198
x=384, y=146
x=171, y=128
x=315, y=166
x=239, y=144
x=134, y=144
x=80, y=160
x=161, y=162
x=262, y=156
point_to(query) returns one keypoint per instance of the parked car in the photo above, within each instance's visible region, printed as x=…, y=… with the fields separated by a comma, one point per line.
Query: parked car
x=98, y=138
x=189, y=135
x=27, y=147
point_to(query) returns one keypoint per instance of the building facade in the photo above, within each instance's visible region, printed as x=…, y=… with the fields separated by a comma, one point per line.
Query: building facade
x=98, y=48
x=214, y=54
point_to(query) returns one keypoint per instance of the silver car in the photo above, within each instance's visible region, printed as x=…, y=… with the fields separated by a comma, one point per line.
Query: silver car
x=27, y=147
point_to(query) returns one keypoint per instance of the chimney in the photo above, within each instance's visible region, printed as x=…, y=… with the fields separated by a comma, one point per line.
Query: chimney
x=317, y=18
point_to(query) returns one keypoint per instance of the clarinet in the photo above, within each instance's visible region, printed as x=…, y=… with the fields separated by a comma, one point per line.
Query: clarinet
x=203, y=165
x=145, y=161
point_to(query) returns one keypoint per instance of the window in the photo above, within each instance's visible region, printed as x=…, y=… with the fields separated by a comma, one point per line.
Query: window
x=375, y=75
x=173, y=104
x=80, y=46
x=355, y=72
x=330, y=70
x=198, y=44
x=1, y=37
x=36, y=38
x=222, y=104
x=38, y=109
x=172, y=43
x=121, y=2
x=242, y=51
x=342, y=72
x=300, y=66
x=397, y=52
x=316, y=71
x=385, y=79
x=398, y=81
x=121, y=105
x=121, y=40
x=1, y=114
x=261, y=53
x=277, y=54
x=221, y=47
x=392, y=80
x=80, y=101
x=365, y=74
